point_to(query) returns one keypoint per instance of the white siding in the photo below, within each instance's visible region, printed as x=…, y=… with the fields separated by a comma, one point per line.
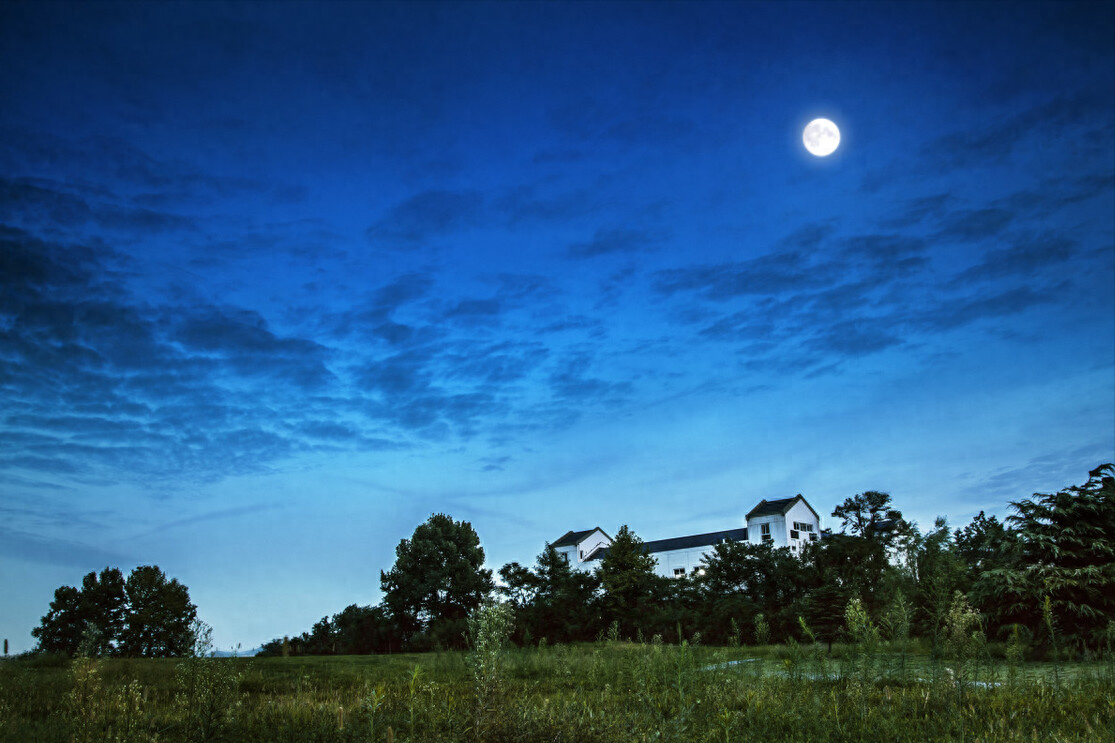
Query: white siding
x=777, y=524
x=800, y=513
x=589, y=544
x=576, y=553
x=687, y=559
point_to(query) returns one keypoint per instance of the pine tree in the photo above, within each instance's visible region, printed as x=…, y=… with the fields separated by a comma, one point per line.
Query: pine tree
x=628, y=578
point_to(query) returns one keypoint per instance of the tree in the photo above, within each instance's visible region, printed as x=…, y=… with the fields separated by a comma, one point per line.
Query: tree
x=93, y=613
x=61, y=628
x=627, y=576
x=1066, y=554
x=871, y=531
x=939, y=573
x=869, y=515
x=159, y=617
x=985, y=544
x=437, y=580
x=519, y=585
x=145, y=615
x=104, y=605
x=551, y=600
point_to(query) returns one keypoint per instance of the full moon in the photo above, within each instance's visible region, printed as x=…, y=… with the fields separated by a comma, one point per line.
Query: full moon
x=821, y=137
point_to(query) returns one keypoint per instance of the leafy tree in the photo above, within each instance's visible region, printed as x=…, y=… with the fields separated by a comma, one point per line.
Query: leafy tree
x=769, y=578
x=984, y=544
x=1066, y=553
x=145, y=615
x=60, y=630
x=353, y=630
x=519, y=585
x=159, y=617
x=871, y=532
x=438, y=578
x=627, y=576
x=104, y=605
x=870, y=515
x=939, y=573
x=363, y=629
x=93, y=613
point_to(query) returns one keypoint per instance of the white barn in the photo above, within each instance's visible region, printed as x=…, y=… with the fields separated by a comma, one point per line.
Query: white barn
x=786, y=522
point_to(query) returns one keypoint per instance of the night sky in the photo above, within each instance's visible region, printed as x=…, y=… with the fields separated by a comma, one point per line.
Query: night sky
x=278, y=281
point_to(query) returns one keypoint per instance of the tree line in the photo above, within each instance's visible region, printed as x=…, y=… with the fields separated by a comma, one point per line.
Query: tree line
x=1047, y=571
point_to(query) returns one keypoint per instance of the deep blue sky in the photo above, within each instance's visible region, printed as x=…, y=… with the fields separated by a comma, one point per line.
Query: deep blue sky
x=277, y=281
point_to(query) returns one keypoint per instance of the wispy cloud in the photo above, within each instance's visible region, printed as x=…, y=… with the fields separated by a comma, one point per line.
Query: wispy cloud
x=33, y=548
x=413, y=221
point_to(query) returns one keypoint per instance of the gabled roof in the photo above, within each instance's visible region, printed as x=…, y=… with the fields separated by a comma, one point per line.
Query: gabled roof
x=573, y=538
x=778, y=507
x=682, y=543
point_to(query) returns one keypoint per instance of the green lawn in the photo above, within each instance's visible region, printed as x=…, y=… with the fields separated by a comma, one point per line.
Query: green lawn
x=596, y=692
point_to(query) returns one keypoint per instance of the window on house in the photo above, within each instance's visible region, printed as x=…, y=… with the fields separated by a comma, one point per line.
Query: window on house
x=813, y=537
x=565, y=556
x=765, y=529
x=679, y=572
x=794, y=535
x=803, y=526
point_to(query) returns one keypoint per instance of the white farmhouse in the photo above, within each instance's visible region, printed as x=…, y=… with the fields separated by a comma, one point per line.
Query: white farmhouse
x=786, y=522
x=579, y=548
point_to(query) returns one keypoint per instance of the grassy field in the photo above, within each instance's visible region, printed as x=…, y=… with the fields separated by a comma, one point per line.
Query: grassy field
x=597, y=692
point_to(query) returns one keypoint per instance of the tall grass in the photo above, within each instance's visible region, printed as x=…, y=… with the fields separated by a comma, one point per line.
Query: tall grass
x=611, y=691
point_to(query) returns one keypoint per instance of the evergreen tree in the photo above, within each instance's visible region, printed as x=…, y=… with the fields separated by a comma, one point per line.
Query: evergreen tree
x=565, y=602
x=627, y=576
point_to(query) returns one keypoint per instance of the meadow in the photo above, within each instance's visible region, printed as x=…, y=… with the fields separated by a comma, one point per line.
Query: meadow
x=608, y=691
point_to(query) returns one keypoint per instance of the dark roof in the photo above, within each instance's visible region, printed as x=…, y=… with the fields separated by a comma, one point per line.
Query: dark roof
x=778, y=507
x=683, y=543
x=697, y=540
x=573, y=538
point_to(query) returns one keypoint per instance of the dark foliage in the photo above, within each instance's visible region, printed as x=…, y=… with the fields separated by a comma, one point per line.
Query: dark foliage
x=437, y=580
x=1060, y=546
x=146, y=615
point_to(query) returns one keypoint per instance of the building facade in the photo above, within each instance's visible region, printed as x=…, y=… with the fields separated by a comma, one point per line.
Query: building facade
x=786, y=522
